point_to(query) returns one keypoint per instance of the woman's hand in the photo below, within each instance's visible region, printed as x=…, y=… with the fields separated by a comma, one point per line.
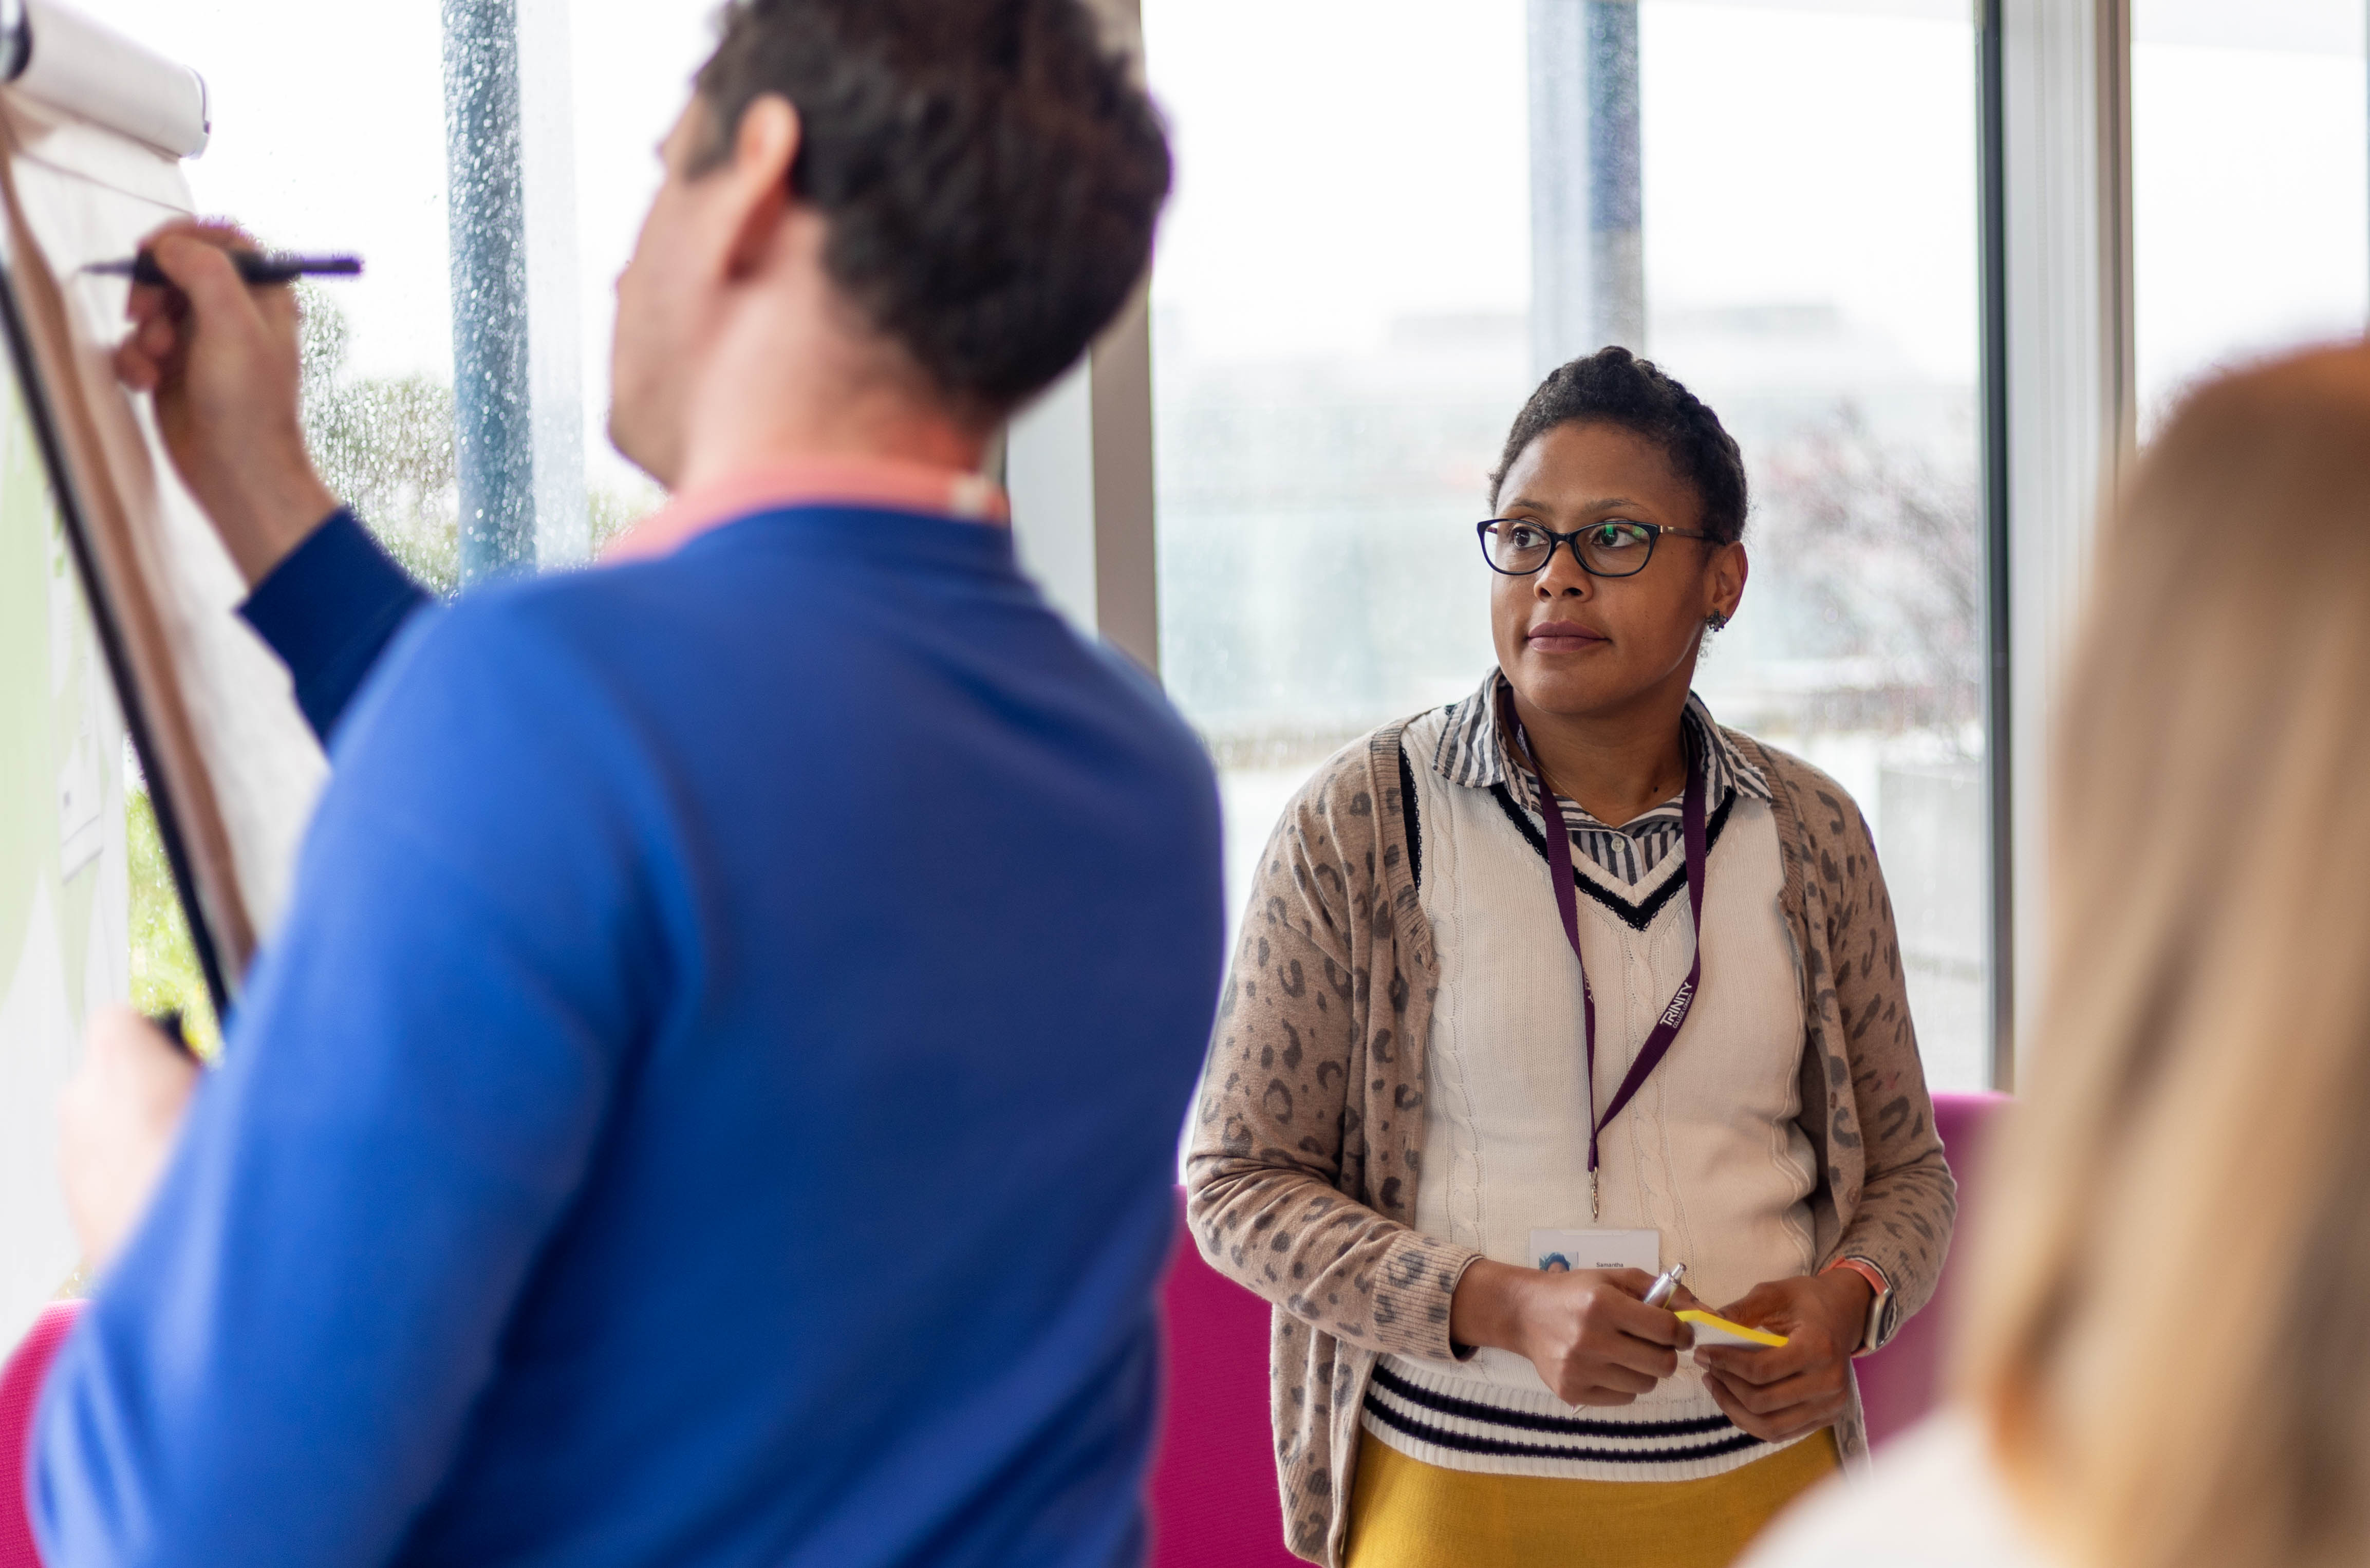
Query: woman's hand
x=1805, y=1383
x=1590, y=1332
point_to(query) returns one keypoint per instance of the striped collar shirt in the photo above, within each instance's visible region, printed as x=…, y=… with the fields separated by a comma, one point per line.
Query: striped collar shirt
x=1476, y=752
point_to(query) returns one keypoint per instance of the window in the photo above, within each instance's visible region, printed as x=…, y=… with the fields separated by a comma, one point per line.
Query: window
x=1810, y=269
x=329, y=134
x=1385, y=234
x=1387, y=224
x=2250, y=197
x=1338, y=344
x=601, y=82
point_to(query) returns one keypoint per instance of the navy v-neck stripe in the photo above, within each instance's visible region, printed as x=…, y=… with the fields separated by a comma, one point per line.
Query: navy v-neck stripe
x=1638, y=914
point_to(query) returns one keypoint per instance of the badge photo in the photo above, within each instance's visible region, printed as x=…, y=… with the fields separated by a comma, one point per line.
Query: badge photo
x=1559, y=1251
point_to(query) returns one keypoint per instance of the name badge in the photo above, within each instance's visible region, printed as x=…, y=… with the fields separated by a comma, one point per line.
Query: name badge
x=1562, y=1251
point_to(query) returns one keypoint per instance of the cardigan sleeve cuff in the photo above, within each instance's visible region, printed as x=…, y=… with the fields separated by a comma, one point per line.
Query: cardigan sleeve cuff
x=1417, y=1281
x=328, y=610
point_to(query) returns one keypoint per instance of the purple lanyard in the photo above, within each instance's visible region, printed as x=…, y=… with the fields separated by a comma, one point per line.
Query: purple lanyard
x=1667, y=1027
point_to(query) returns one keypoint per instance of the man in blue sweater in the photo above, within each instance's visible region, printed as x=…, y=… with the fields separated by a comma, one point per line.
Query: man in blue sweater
x=713, y=1098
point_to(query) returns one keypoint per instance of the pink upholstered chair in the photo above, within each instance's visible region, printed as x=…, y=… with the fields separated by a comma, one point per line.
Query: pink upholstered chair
x=1899, y=1383
x=20, y=1387
x=1213, y=1488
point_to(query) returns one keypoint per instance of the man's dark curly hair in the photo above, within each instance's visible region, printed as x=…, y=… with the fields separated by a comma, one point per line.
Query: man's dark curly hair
x=1615, y=387
x=990, y=171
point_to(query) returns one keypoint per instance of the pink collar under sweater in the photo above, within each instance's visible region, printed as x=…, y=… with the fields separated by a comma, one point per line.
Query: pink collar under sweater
x=846, y=481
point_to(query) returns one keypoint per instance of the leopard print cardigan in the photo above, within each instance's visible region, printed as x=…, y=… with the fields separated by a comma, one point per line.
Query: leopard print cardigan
x=1307, y=1138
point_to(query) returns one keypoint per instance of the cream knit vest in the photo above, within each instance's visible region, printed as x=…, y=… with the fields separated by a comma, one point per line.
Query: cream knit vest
x=1707, y=1153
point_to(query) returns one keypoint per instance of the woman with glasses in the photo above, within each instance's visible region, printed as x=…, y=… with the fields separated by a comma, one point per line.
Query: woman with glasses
x=1538, y=996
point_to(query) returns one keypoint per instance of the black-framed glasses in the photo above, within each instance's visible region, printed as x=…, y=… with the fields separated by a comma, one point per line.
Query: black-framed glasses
x=1616, y=548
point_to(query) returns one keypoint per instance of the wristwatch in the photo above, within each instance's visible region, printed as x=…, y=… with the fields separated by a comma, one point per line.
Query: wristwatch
x=1880, y=1305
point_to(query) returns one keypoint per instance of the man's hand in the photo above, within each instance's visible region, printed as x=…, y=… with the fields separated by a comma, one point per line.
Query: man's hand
x=1804, y=1384
x=221, y=359
x=1590, y=1332
x=117, y=1121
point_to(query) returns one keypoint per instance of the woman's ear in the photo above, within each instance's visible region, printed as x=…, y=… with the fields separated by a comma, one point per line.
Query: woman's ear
x=1724, y=582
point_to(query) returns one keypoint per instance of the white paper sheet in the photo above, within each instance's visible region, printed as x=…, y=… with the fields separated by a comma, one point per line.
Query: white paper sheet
x=89, y=195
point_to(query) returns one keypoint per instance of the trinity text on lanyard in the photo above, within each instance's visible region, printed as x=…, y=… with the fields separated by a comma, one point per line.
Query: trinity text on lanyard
x=1667, y=1027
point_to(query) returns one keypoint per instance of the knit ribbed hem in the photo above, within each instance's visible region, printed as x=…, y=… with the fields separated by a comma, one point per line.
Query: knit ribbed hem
x=1445, y=1420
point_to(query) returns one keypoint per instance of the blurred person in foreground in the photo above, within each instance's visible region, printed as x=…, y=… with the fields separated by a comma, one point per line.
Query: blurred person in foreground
x=1539, y=994
x=712, y=1098
x=2163, y=1365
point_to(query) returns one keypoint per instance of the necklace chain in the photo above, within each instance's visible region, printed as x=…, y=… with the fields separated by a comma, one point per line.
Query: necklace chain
x=1554, y=786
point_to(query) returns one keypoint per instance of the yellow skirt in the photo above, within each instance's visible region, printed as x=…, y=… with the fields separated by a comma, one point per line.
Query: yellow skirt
x=1406, y=1514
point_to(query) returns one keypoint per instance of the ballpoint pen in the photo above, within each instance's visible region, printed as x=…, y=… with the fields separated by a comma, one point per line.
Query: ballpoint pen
x=254, y=267
x=1666, y=1282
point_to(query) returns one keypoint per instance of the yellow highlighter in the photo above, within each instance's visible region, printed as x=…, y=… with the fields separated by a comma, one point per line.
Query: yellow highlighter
x=1713, y=1329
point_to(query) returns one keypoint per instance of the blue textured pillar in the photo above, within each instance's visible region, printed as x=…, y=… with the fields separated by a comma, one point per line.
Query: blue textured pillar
x=1616, y=234
x=1588, y=255
x=491, y=409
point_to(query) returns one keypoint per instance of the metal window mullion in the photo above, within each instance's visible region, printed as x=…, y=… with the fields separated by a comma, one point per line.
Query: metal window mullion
x=2065, y=404
x=1078, y=462
x=1999, y=748
x=510, y=158
x=494, y=446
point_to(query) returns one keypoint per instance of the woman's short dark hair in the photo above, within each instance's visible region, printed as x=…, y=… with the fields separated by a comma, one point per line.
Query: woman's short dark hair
x=1615, y=387
x=990, y=168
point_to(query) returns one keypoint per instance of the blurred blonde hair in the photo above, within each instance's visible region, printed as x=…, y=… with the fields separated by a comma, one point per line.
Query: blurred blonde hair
x=2170, y=1335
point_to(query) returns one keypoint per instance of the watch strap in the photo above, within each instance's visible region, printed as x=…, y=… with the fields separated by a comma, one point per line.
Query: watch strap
x=1880, y=1305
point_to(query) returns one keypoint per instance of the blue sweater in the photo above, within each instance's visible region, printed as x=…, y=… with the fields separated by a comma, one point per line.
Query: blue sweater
x=713, y=1099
